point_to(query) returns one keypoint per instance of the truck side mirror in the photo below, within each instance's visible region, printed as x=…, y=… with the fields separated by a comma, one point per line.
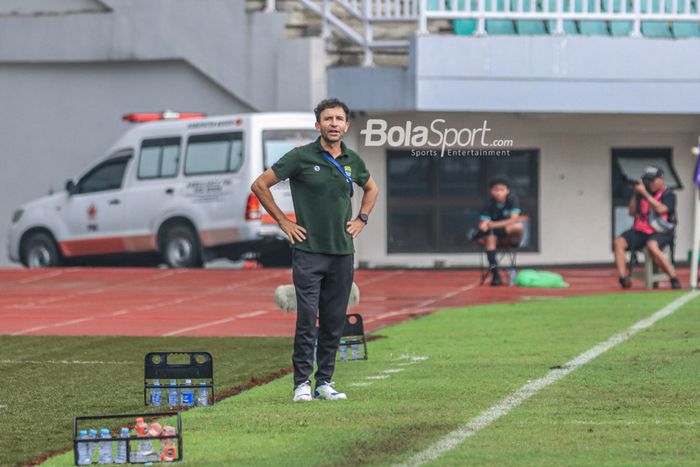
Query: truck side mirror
x=71, y=188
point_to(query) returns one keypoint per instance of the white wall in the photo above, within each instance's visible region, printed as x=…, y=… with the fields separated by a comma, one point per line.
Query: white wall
x=575, y=180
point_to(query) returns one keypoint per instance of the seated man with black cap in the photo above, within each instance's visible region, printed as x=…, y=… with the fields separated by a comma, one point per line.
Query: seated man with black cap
x=499, y=222
x=653, y=206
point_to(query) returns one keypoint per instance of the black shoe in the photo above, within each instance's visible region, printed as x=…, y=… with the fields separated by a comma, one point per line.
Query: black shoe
x=675, y=283
x=496, y=280
x=626, y=282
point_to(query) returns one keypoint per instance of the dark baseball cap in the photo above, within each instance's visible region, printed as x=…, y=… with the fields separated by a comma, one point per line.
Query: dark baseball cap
x=652, y=172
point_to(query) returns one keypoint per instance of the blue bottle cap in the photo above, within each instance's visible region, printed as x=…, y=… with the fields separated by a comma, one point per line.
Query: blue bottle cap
x=83, y=432
x=104, y=431
x=125, y=432
x=93, y=432
x=202, y=383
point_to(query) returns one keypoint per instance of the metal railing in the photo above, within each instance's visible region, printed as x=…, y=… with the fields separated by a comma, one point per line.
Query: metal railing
x=554, y=12
x=559, y=11
x=367, y=12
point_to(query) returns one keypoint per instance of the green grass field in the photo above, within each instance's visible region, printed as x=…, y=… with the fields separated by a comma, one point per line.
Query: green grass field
x=38, y=398
x=637, y=404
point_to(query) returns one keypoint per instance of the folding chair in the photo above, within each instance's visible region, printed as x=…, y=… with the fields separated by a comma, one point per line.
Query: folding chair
x=505, y=250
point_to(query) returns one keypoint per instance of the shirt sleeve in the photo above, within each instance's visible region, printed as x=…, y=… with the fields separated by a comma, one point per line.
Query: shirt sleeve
x=514, y=203
x=362, y=174
x=287, y=166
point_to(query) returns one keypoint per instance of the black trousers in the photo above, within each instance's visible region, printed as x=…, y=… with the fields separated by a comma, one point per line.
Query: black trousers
x=322, y=284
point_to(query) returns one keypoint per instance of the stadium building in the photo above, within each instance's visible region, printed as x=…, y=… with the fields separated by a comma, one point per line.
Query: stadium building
x=580, y=94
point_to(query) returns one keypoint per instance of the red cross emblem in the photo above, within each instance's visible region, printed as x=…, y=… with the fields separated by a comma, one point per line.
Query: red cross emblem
x=92, y=211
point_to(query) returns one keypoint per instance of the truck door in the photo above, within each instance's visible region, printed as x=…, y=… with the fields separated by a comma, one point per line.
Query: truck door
x=153, y=191
x=94, y=213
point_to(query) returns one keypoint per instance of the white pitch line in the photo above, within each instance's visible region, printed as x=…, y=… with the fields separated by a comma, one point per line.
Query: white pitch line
x=359, y=385
x=393, y=370
x=214, y=323
x=3, y=406
x=503, y=407
x=379, y=377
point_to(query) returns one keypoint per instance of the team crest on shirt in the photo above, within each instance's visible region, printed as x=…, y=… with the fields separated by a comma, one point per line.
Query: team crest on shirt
x=316, y=168
x=348, y=170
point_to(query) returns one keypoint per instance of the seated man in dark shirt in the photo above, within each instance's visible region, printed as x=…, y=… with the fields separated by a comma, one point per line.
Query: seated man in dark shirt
x=499, y=221
x=653, y=206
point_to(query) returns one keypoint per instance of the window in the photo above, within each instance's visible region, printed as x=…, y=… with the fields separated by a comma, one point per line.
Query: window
x=159, y=158
x=277, y=143
x=106, y=176
x=434, y=202
x=627, y=166
x=217, y=153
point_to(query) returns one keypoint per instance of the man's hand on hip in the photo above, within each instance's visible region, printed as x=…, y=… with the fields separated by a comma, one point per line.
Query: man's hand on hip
x=354, y=227
x=295, y=232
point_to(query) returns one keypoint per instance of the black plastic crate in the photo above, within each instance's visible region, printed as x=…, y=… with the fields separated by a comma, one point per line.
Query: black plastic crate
x=353, y=343
x=169, y=446
x=172, y=370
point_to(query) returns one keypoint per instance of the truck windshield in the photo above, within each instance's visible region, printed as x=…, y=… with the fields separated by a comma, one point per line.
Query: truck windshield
x=276, y=143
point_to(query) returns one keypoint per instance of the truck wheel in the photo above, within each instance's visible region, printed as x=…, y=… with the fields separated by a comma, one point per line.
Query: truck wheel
x=181, y=248
x=39, y=251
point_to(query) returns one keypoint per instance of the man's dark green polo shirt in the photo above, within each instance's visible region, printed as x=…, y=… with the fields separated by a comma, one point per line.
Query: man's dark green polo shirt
x=321, y=195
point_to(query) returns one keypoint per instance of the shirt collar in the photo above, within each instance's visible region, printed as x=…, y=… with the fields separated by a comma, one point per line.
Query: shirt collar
x=343, y=147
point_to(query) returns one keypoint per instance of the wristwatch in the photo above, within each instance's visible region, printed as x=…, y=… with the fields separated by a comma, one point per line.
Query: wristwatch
x=363, y=217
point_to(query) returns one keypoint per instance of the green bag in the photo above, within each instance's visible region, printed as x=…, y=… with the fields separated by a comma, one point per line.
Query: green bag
x=546, y=279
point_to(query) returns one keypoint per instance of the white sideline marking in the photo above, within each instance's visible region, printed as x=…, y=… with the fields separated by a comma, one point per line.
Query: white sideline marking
x=65, y=362
x=379, y=377
x=3, y=406
x=361, y=385
x=501, y=408
x=214, y=323
x=393, y=370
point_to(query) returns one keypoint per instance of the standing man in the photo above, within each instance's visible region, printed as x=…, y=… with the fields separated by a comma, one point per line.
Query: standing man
x=653, y=206
x=321, y=176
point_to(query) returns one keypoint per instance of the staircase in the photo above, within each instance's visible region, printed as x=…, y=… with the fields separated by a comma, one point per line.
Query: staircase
x=340, y=49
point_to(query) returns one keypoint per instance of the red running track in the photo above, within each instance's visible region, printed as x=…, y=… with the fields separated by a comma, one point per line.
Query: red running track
x=162, y=302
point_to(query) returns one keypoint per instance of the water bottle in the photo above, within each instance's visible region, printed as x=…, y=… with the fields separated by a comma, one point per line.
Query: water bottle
x=172, y=394
x=187, y=394
x=121, y=447
x=511, y=276
x=343, y=351
x=144, y=447
x=355, y=351
x=83, y=449
x=92, y=434
x=105, y=448
x=169, y=450
x=203, y=394
x=156, y=394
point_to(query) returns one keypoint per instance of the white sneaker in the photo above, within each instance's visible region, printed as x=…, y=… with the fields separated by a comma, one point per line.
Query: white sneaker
x=302, y=393
x=326, y=391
